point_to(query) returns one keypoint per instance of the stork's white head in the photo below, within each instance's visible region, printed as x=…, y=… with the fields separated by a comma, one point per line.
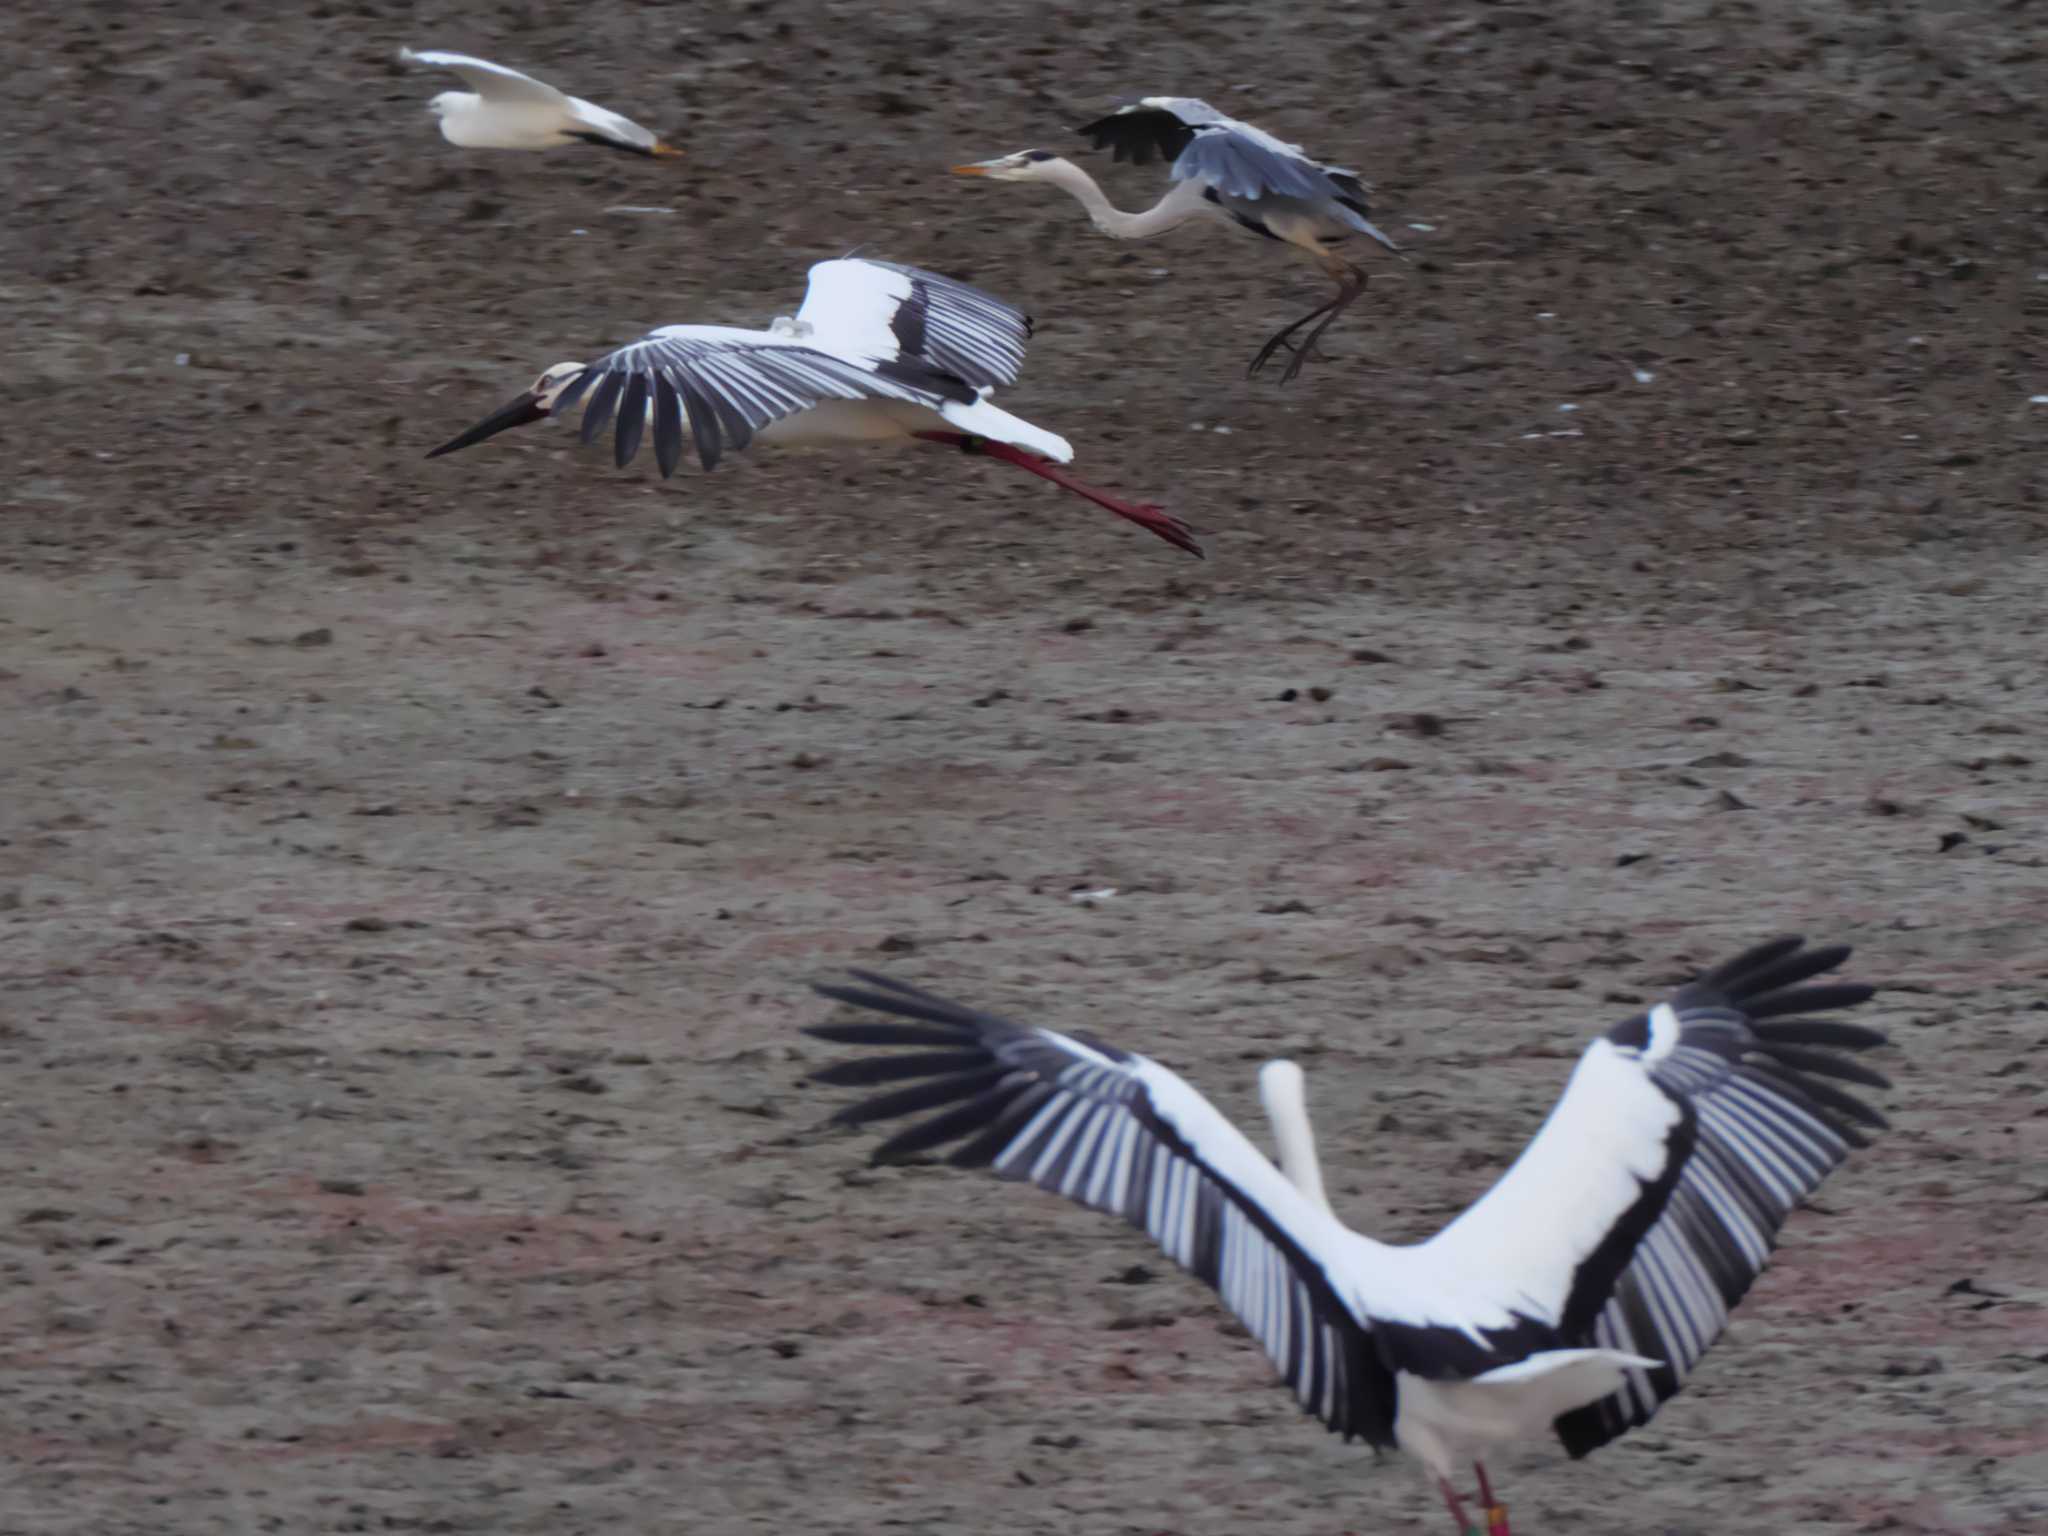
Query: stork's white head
x=1025, y=165
x=533, y=405
x=556, y=379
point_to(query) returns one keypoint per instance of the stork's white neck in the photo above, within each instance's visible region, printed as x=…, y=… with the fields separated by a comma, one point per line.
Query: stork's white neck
x=1183, y=201
x=1286, y=1101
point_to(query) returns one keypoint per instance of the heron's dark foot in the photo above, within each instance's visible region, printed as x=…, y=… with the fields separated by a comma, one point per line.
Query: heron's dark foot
x=1280, y=342
x=1300, y=361
x=1307, y=349
x=1265, y=354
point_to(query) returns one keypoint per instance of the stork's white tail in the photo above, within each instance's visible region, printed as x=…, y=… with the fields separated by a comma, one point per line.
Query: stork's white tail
x=986, y=419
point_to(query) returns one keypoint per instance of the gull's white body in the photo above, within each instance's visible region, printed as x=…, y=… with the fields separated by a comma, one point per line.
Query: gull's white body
x=508, y=110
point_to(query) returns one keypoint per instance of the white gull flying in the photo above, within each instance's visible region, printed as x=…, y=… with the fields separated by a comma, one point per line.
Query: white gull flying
x=503, y=109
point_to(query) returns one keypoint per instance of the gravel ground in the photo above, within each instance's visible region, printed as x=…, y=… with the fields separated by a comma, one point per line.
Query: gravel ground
x=411, y=873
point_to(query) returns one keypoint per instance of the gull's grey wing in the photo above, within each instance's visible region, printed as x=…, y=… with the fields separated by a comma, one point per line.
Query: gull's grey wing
x=493, y=81
x=612, y=125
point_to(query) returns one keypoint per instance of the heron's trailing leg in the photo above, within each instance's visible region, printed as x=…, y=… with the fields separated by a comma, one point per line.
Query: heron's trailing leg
x=1456, y=1506
x=1350, y=282
x=1496, y=1512
x=1154, y=520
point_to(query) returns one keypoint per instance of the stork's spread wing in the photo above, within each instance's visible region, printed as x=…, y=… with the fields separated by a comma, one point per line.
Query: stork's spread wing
x=723, y=386
x=1235, y=158
x=1754, y=1067
x=493, y=81
x=882, y=310
x=1651, y=1197
x=1120, y=1133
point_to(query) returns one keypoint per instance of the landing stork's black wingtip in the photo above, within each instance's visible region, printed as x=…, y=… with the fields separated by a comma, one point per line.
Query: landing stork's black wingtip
x=940, y=1021
x=1782, y=965
x=1771, y=966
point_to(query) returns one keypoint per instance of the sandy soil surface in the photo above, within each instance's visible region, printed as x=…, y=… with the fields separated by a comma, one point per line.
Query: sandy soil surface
x=410, y=873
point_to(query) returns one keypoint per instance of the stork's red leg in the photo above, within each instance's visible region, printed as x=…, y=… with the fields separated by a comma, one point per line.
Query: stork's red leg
x=1456, y=1506
x=1496, y=1512
x=1154, y=520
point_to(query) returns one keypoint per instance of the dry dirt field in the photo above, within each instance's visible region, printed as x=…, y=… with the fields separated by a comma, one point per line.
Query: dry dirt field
x=411, y=873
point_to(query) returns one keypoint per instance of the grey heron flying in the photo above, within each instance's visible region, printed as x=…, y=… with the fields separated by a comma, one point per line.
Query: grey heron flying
x=1225, y=169
x=1573, y=1298
x=504, y=109
x=878, y=352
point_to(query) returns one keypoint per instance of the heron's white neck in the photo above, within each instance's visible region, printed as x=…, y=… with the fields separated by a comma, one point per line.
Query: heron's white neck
x=1183, y=201
x=1286, y=1101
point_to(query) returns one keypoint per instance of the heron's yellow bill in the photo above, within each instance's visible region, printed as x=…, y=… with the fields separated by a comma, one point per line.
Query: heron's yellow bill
x=665, y=150
x=980, y=169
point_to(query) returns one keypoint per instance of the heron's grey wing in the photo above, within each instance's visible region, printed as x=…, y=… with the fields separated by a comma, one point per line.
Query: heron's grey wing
x=1351, y=196
x=1246, y=163
x=494, y=82
x=959, y=329
x=722, y=388
x=1143, y=132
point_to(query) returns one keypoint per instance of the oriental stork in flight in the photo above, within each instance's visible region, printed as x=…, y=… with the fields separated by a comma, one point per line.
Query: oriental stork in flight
x=503, y=109
x=878, y=353
x=1575, y=1297
x=1228, y=170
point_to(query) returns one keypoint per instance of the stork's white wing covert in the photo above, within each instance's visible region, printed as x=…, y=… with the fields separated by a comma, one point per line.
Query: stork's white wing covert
x=882, y=309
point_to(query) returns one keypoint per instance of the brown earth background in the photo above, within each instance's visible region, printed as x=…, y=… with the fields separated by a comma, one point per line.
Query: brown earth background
x=410, y=873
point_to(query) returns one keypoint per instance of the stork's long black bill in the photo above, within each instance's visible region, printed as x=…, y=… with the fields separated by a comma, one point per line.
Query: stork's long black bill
x=517, y=414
